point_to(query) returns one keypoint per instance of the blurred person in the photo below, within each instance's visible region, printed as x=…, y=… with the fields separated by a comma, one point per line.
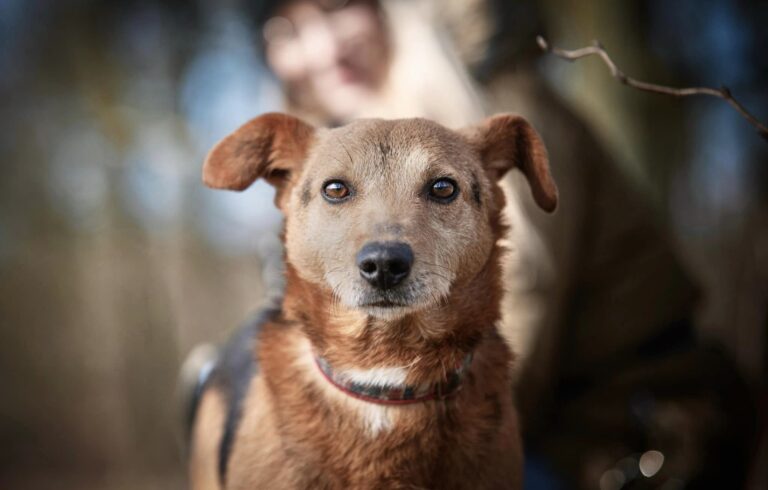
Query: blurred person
x=331, y=60
x=600, y=309
x=339, y=60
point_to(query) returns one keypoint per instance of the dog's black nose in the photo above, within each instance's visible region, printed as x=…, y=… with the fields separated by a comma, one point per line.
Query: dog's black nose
x=385, y=264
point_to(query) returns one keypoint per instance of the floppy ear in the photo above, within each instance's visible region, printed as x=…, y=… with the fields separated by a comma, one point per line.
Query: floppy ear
x=505, y=141
x=272, y=146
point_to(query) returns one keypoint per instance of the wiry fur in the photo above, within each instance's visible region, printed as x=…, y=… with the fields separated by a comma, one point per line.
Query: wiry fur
x=296, y=430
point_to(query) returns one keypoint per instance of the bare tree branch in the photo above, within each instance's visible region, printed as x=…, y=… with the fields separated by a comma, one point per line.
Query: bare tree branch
x=597, y=49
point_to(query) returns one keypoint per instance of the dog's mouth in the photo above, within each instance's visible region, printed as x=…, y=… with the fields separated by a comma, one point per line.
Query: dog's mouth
x=412, y=295
x=384, y=304
x=393, y=299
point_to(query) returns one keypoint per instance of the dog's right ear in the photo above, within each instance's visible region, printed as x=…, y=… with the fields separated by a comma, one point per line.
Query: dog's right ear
x=272, y=146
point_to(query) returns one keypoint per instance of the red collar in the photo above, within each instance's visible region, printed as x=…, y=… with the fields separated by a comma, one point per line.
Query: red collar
x=397, y=395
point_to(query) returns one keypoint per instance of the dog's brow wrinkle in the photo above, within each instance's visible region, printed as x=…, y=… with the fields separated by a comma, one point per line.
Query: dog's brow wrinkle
x=384, y=148
x=475, y=190
x=306, y=193
x=349, y=155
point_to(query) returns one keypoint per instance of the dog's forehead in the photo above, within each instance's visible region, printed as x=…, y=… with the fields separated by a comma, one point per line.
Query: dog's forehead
x=375, y=145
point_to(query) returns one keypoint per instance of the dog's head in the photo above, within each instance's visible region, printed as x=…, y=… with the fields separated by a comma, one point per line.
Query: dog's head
x=389, y=216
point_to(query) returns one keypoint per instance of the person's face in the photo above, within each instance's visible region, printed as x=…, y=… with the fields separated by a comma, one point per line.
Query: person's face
x=331, y=59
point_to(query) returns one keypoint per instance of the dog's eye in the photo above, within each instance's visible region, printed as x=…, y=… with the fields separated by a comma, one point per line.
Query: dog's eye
x=443, y=190
x=335, y=190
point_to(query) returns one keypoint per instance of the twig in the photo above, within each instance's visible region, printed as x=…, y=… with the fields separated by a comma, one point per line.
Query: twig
x=596, y=48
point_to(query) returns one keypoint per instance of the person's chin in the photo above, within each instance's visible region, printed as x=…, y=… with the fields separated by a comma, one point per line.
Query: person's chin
x=345, y=98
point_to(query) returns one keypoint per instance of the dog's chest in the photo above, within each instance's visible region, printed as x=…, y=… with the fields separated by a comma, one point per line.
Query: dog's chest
x=312, y=435
x=376, y=446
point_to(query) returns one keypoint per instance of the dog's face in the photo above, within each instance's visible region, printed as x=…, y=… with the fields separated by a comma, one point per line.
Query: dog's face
x=388, y=215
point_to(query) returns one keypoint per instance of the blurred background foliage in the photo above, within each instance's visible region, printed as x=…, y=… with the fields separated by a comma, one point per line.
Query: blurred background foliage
x=114, y=260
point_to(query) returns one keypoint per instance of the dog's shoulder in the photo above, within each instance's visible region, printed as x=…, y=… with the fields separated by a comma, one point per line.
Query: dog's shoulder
x=231, y=377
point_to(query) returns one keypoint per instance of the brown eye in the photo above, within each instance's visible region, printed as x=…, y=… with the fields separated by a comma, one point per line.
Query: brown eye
x=335, y=191
x=443, y=190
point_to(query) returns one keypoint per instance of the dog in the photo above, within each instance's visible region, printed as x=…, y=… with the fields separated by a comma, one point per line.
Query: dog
x=382, y=367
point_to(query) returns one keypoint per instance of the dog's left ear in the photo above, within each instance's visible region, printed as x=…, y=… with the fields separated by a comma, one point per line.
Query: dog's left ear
x=505, y=141
x=272, y=146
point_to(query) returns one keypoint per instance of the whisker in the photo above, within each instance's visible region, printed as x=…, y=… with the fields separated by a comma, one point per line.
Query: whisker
x=433, y=273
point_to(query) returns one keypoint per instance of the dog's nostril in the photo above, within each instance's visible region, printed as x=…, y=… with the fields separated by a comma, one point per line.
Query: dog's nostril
x=398, y=267
x=368, y=266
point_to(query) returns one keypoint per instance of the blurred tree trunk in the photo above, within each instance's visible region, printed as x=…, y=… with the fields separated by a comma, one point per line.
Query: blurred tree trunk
x=645, y=131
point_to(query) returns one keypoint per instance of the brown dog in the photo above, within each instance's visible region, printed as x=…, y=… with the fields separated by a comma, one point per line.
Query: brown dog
x=383, y=367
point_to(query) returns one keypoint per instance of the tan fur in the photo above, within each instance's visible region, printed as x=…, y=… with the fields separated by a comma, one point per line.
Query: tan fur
x=205, y=443
x=297, y=430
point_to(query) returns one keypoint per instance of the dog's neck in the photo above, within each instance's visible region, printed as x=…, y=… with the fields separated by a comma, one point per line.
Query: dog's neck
x=387, y=386
x=421, y=346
